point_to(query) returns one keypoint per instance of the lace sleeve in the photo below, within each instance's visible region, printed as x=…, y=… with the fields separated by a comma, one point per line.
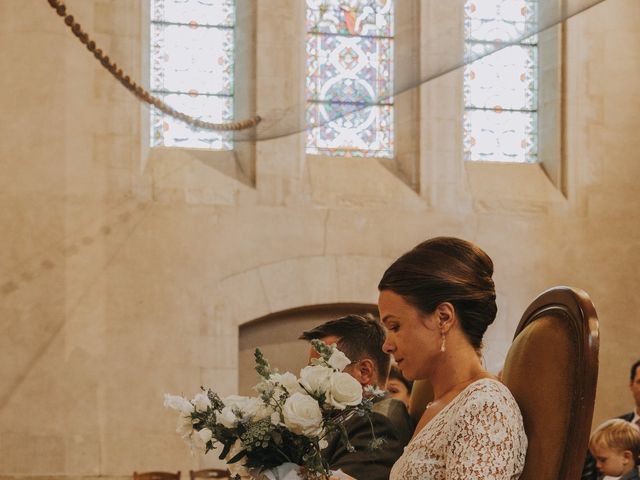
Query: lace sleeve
x=488, y=441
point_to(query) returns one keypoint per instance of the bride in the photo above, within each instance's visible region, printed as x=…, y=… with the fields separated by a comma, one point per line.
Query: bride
x=436, y=302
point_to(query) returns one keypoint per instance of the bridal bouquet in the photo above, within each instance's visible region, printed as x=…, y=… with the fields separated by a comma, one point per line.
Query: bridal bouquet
x=280, y=433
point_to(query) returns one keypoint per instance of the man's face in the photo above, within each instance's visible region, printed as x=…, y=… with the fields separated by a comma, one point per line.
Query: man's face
x=635, y=389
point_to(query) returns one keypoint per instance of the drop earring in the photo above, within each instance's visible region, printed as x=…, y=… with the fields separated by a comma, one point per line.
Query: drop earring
x=443, y=343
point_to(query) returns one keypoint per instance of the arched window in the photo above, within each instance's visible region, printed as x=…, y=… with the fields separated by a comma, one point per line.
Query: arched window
x=191, y=69
x=350, y=77
x=501, y=89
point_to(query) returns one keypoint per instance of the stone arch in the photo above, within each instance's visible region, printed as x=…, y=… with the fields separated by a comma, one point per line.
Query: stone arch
x=298, y=283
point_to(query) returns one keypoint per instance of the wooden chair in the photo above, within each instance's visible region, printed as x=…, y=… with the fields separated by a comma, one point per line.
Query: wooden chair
x=551, y=369
x=156, y=475
x=209, y=473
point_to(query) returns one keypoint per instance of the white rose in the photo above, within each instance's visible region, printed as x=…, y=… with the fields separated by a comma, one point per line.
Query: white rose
x=205, y=435
x=316, y=378
x=302, y=415
x=184, y=426
x=227, y=418
x=345, y=391
x=237, y=468
x=287, y=380
x=200, y=438
x=338, y=360
x=247, y=406
x=201, y=402
x=179, y=403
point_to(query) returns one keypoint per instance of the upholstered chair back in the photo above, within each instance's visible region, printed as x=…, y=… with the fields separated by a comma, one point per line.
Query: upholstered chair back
x=552, y=369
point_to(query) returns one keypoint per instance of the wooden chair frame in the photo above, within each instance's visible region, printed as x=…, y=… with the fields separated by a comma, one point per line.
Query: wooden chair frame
x=574, y=306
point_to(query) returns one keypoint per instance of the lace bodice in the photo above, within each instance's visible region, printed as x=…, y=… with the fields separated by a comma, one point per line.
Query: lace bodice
x=478, y=435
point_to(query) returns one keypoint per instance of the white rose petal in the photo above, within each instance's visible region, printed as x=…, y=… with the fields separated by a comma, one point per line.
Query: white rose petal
x=287, y=380
x=185, y=426
x=338, y=360
x=205, y=435
x=302, y=415
x=316, y=378
x=345, y=391
x=179, y=403
x=201, y=402
x=247, y=406
x=227, y=418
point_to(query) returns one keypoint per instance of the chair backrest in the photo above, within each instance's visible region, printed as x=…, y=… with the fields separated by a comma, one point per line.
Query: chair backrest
x=552, y=370
x=209, y=473
x=421, y=395
x=156, y=475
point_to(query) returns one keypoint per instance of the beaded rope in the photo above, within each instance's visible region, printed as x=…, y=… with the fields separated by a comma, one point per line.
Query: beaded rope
x=136, y=89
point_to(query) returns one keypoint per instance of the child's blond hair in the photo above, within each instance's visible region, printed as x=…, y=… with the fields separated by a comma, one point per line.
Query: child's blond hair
x=618, y=435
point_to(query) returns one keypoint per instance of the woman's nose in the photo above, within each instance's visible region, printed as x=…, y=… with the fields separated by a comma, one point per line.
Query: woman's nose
x=387, y=346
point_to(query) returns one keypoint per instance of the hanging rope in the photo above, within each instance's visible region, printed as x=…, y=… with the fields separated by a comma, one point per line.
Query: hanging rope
x=136, y=89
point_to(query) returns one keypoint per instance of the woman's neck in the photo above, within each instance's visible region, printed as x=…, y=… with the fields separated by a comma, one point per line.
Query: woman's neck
x=456, y=371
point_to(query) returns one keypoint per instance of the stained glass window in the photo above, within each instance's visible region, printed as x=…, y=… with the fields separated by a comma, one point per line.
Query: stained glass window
x=500, y=89
x=350, y=77
x=192, y=70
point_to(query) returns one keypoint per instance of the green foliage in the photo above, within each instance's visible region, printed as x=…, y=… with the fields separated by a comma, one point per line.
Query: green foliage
x=262, y=365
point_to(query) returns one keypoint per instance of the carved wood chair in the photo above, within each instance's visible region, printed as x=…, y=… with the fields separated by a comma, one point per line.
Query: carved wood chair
x=156, y=475
x=551, y=369
x=209, y=473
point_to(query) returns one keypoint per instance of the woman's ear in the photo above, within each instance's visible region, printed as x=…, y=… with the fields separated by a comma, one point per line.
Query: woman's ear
x=445, y=314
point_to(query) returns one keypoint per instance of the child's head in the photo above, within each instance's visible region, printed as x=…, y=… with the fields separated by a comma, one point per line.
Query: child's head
x=615, y=445
x=398, y=386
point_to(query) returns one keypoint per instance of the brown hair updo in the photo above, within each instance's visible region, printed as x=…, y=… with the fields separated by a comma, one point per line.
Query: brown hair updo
x=447, y=269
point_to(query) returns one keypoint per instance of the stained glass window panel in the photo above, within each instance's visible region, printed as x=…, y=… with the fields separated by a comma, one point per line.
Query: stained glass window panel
x=501, y=88
x=192, y=50
x=349, y=84
x=501, y=20
x=505, y=79
x=503, y=136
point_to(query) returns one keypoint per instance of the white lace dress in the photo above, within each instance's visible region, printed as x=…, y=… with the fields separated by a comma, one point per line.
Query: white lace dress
x=478, y=435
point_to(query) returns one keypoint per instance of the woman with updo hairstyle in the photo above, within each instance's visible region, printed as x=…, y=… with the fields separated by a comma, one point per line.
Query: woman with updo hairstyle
x=436, y=303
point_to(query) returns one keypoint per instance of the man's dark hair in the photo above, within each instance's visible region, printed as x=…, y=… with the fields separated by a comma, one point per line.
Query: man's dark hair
x=634, y=367
x=359, y=337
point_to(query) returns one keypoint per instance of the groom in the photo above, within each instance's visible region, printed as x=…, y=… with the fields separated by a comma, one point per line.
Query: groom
x=361, y=340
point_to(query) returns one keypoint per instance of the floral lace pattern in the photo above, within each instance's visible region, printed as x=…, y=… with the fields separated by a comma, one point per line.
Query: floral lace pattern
x=478, y=435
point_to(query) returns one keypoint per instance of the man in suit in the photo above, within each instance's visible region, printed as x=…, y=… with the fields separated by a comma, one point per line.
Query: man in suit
x=590, y=472
x=360, y=339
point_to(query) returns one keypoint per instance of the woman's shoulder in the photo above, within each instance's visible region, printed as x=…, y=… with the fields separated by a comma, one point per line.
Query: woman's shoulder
x=488, y=392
